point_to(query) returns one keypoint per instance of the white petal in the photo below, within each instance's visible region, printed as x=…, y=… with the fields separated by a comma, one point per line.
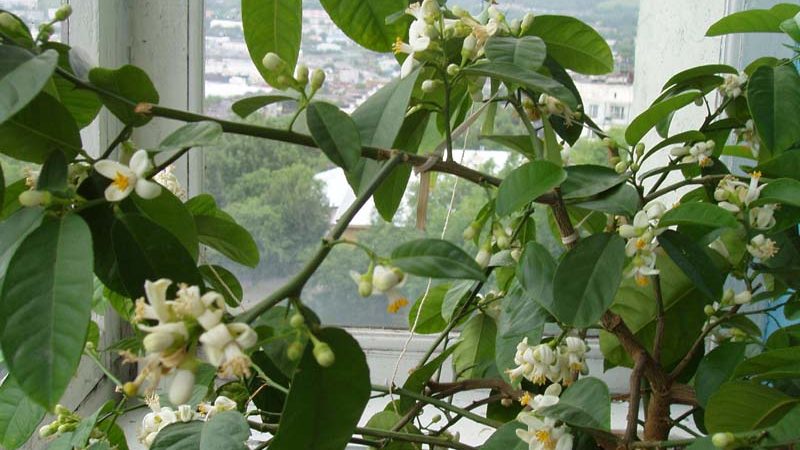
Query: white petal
x=213, y=355
x=147, y=189
x=109, y=169
x=421, y=44
x=408, y=66
x=140, y=164
x=180, y=391
x=114, y=194
x=244, y=335
x=219, y=336
x=156, y=292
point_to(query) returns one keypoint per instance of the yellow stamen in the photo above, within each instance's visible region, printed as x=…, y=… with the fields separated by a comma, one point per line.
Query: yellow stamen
x=398, y=44
x=756, y=174
x=121, y=181
x=642, y=280
x=641, y=243
x=396, y=305
x=543, y=436
x=525, y=399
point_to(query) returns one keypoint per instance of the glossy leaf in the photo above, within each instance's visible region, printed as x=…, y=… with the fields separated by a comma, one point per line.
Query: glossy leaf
x=703, y=214
x=535, y=273
x=131, y=83
x=223, y=281
x=475, y=352
x=228, y=430
x=773, y=94
x=622, y=200
x=22, y=76
x=325, y=404
x=453, y=298
x=525, y=183
x=365, y=21
x=335, y=133
x=83, y=104
x=228, y=238
x=196, y=134
x=527, y=52
x=430, y=319
x=574, y=44
x=586, y=180
x=44, y=307
x=754, y=20
x=657, y=112
x=520, y=143
x=13, y=231
x=272, y=26
x=513, y=74
x=436, y=258
x=505, y=438
x=418, y=379
x=745, y=406
x=169, y=212
x=19, y=416
x=785, y=165
x=785, y=191
x=694, y=262
x=249, y=105
x=716, y=368
x=53, y=175
x=771, y=365
x=698, y=72
x=386, y=420
x=40, y=128
x=145, y=251
x=585, y=404
x=587, y=279
x=521, y=317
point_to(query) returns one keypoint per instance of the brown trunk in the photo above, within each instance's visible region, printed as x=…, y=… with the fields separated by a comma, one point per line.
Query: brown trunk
x=657, y=426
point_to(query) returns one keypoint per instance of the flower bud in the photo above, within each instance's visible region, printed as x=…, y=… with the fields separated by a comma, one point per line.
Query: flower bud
x=484, y=256
x=365, y=287
x=48, y=430
x=503, y=242
x=436, y=419
x=67, y=427
x=527, y=22
x=34, y=198
x=317, y=79
x=507, y=402
x=295, y=351
x=62, y=411
x=158, y=342
x=516, y=27
x=130, y=389
x=468, y=48
x=639, y=149
x=453, y=70
x=301, y=74
x=634, y=167
x=516, y=254
x=63, y=13
x=273, y=62
x=709, y=310
x=742, y=298
x=722, y=440
x=46, y=30
x=323, y=354
x=180, y=391
x=430, y=86
x=613, y=160
x=727, y=296
x=471, y=231
x=621, y=167
x=459, y=11
x=283, y=81
x=698, y=101
x=297, y=321
x=185, y=413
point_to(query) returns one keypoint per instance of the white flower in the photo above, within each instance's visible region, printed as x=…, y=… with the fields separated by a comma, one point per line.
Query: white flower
x=763, y=217
x=223, y=347
x=126, y=179
x=700, y=153
x=484, y=257
x=642, y=267
x=157, y=307
x=180, y=390
x=418, y=41
x=544, y=434
x=549, y=398
x=155, y=421
x=762, y=248
x=655, y=210
x=168, y=179
x=732, y=87
x=385, y=278
x=575, y=349
x=742, y=298
x=221, y=404
x=186, y=413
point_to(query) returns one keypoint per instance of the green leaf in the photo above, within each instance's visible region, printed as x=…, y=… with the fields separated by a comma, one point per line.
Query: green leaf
x=19, y=416
x=45, y=309
x=573, y=44
x=436, y=258
x=786, y=432
x=228, y=238
x=365, y=21
x=144, y=250
x=335, y=133
x=587, y=180
x=771, y=365
x=699, y=213
x=745, y=406
x=521, y=317
x=13, y=231
x=196, y=134
x=527, y=52
x=325, y=404
x=754, y=20
x=386, y=420
x=519, y=143
x=452, y=299
x=622, y=200
x=535, y=273
x=792, y=28
x=83, y=104
x=716, y=368
x=22, y=76
x=228, y=430
x=129, y=82
x=418, y=379
x=784, y=190
x=380, y=117
x=656, y=113
x=785, y=165
x=169, y=212
x=513, y=74
x=40, y=128
x=223, y=281
x=587, y=278
x=698, y=72
x=526, y=183
x=585, y=404
x=475, y=353
x=273, y=26
x=53, y=176
x=505, y=438
x=773, y=94
x=430, y=319
x=694, y=262
x=249, y=105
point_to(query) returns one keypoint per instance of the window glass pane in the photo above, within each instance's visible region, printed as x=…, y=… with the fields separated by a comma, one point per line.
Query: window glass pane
x=288, y=196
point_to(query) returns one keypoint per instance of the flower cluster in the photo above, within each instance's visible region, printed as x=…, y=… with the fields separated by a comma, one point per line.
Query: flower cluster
x=76, y=174
x=732, y=86
x=762, y=247
x=161, y=416
x=749, y=136
x=169, y=344
x=544, y=433
x=65, y=422
x=642, y=244
x=699, y=153
x=736, y=197
x=298, y=81
x=384, y=280
x=555, y=107
x=542, y=363
x=127, y=178
x=167, y=179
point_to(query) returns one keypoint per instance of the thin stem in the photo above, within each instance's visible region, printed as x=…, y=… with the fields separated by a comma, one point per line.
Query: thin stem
x=446, y=111
x=698, y=343
x=654, y=194
x=121, y=137
x=438, y=403
x=176, y=156
x=93, y=356
x=660, y=318
x=295, y=285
